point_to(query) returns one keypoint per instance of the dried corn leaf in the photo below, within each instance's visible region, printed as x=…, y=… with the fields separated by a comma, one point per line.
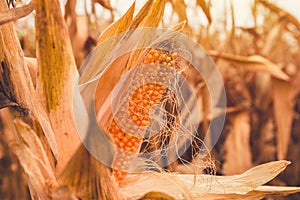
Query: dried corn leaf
x=39, y=176
x=13, y=183
x=179, y=27
x=114, y=33
x=281, y=12
x=243, y=186
x=119, y=26
x=229, y=37
x=271, y=39
x=35, y=145
x=56, y=78
x=259, y=193
x=112, y=76
x=88, y=178
x=34, y=161
x=237, y=146
x=252, y=63
x=283, y=108
x=206, y=9
x=105, y=4
x=254, y=14
x=179, y=7
x=16, y=13
x=150, y=15
x=45, y=123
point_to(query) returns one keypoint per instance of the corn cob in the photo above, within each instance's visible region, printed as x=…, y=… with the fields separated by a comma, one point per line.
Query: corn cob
x=140, y=101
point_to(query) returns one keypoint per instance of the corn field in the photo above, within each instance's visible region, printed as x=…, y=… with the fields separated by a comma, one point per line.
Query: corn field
x=162, y=101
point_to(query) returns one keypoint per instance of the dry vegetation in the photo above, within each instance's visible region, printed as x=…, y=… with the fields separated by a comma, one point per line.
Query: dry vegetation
x=41, y=156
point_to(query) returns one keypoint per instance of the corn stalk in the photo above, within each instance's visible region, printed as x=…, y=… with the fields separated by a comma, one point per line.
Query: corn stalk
x=56, y=77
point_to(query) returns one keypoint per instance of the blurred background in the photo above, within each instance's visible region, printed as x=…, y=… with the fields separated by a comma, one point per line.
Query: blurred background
x=255, y=45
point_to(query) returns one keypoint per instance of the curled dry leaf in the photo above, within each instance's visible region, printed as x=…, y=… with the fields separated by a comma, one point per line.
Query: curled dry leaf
x=34, y=161
x=16, y=13
x=252, y=63
x=244, y=186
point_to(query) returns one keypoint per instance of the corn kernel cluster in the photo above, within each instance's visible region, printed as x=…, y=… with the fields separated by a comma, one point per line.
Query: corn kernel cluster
x=140, y=101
